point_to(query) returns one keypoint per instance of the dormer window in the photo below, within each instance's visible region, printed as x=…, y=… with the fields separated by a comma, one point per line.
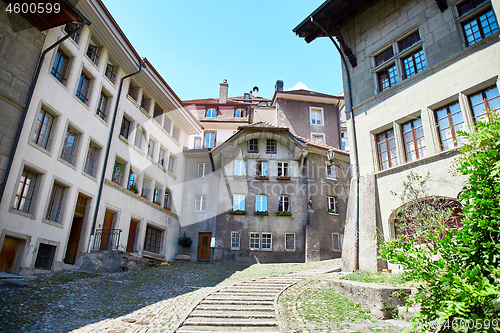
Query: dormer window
x=247, y=96
x=240, y=112
x=211, y=113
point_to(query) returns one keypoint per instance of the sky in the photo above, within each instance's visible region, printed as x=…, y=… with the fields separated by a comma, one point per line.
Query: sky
x=196, y=44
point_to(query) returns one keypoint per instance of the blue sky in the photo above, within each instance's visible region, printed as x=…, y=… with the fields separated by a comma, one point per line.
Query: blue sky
x=195, y=44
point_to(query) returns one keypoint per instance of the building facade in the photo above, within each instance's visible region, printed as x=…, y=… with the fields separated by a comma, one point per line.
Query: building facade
x=419, y=71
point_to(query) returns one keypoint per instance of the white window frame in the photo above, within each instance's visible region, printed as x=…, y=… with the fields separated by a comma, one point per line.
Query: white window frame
x=238, y=202
x=162, y=157
x=203, y=171
x=314, y=110
x=319, y=134
x=281, y=169
x=268, y=245
x=293, y=234
x=151, y=147
x=340, y=240
x=335, y=208
x=255, y=239
x=258, y=203
x=242, y=168
x=235, y=240
x=200, y=203
x=171, y=163
x=333, y=175
x=139, y=136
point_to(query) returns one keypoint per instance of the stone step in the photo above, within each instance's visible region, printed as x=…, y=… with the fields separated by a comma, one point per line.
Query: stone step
x=243, y=292
x=211, y=329
x=235, y=322
x=234, y=307
x=239, y=302
x=218, y=296
x=233, y=314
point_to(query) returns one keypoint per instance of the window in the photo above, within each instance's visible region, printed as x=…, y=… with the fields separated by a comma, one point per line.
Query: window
x=25, y=191
x=146, y=184
x=166, y=199
x=316, y=116
x=387, y=152
x=55, y=203
x=318, y=138
x=60, y=66
x=156, y=194
x=290, y=242
x=253, y=146
x=152, y=242
x=384, y=56
x=167, y=124
x=261, y=203
x=211, y=112
x=197, y=142
x=267, y=241
x=161, y=158
x=133, y=91
x=271, y=146
x=254, y=241
x=131, y=179
x=125, y=130
x=409, y=41
x=92, y=51
x=330, y=172
x=145, y=102
x=41, y=135
x=69, y=28
x=209, y=140
x=484, y=102
x=414, y=141
x=240, y=168
x=449, y=120
x=151, y=148
x=481, y=25
x=176, y=132
x=238, y=202
x=387, y=77
x=157, y=113
x=283, y=203
x=138, y=137
x=202, y=170
x=171, y=164
x=235, y=240
x=118, y=169
x=337, y=242
x=200, y=203
x=240, y=112
x=83, y=88
x=110, y=72
x=414, y=63
x=69, y=146
x=102, y=106
x=332, y=205
x=91, y=160
x=45, y=256
x=282, y=169
x=261, y=168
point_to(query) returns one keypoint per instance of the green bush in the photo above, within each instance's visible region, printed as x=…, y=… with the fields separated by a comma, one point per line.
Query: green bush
x=460, y=267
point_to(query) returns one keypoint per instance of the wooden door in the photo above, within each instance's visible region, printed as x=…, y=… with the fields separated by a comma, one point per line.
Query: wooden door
x=204, y=246
x=73, y=241
x=106, y=227
x=131, y=236
x=8, y=254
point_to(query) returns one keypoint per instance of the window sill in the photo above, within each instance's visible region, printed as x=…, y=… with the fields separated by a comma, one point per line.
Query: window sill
x=235, y=249
x=334, y=214
x=287, y=250
x=199, y=211
x=133, y=101
x=21, y=213
x=66, y=163
x=96, y=66
x=100, y=119
x=52, y=223
x=150, y=159
x=124, y=139
x=145, y=112
x=152, y=254
x=94, y=179
x=239, y=177
x=43, y=150
x=137, y=149
x=81, y=102
x=172, y=175
x=334, y=179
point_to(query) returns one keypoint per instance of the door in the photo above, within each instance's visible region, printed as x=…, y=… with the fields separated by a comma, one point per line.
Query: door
x=131, y=236
x=73, y=241
x=106, y=229
x=8, y=254
x=204, y=246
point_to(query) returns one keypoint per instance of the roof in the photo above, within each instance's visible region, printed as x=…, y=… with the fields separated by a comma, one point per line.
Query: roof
x=320, y=145
x=308, y=96
x=213, y=101
x=307, y=93
x=263, y=125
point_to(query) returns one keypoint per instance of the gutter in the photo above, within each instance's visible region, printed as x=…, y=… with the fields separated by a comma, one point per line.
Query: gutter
x=30, y=96
x=354, y=155
x=108, y=147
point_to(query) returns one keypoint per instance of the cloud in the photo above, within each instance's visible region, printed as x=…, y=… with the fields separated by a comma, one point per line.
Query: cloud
x=298, y=86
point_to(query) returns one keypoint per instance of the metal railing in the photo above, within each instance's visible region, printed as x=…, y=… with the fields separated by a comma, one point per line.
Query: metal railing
x=106, y=239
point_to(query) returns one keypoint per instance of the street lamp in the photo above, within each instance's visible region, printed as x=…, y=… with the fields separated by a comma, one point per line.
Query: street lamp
x=330, y=154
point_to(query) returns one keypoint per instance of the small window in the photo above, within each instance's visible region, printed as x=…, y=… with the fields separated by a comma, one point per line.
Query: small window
x=388, y=77
x=409, y=41
x=414, y=141
x=161, y=157
x=102, y=106
x=283, y=203
x=133, y=91
x=131, y=179
x=337, y=242
x=318, y=138
x=146, y=188
x=176, y=132
x=157, y=113
x=45, y=256
x=125, y=130
x=449, y=120
x=110, y=72
x=43, y=129
x=68, y=152
x=253, y=146
x=414, y=63
x=254, y=241
x=316, y=116
x=166, y=199
x=240, y=112
x=197, y=142
x=203, y=170
x=235, y=240
x=482, y=25
x=271, y=146
x=240, y=168
x=267, y=241
x=330, y=172
x=145, y=102
x=246, y=96
x=290, y=242
x=118, y=170
x=91, y=160
x=82, y=92
x=70, y=28
x=387, y=152
x=261, y=168
x=484, y=102
x=211, y=112
x=200, y=203
x=92, y=53
x=25, y=191
x=152, y=241
x=151, y=148
x=332, y=205
x=171, y=164
x=209, y=140
x=60, y=66
x=238, y=202
x=167, y=124
x=55, y=203
x=261, y=203
x=282, y=169
x=384, y=56
x=156, y=194
x=139, y=134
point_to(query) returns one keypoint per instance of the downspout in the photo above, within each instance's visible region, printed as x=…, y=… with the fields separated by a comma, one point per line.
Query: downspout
x=353, y=134
x=30, y=96
x=108, y=147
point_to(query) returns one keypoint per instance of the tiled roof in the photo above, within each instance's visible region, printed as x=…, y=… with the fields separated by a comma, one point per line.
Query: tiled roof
x=320, y=145
x=307, y=93
x=263, y=124
x=213, y=101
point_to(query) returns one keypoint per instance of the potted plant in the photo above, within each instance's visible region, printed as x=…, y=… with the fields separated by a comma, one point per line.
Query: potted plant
x=133, y=188
x=117, y=173
x=283, y=178
x=167, y=208
x=261, y=213
x=185, y=243
x=238, y=212
x=157, y=203
x=280, y=213
x=262, y=177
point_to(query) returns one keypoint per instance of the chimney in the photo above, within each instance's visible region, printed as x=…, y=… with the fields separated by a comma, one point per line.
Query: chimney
x=223, y=92
x=279, y=85
x=255, y=91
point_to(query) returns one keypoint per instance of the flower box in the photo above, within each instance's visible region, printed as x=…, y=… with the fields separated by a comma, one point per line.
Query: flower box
x=283, y=213
x=261, y=213
x=133, y=191
x=167, y=208
x=144, y=197
x=284, y=178
x=114, y=181
x=157, y=203
x=238, y=212
x=262, y=177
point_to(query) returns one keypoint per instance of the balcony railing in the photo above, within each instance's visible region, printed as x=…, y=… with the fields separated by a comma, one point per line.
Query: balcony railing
x=106, y=239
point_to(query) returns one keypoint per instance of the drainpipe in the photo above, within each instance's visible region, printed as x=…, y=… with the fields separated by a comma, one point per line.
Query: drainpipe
x=352, y=133
x=30, y=96
x=108, y=147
